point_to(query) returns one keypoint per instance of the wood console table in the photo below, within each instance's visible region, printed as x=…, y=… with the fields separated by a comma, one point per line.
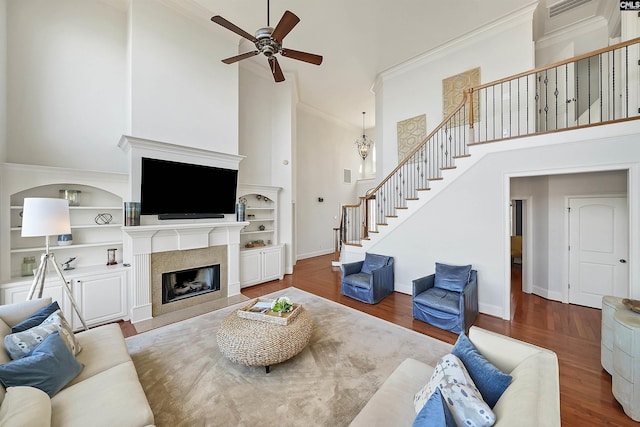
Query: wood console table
x=625, y=369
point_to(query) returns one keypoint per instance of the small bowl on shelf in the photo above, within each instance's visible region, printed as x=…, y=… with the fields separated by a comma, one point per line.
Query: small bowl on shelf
x=65, y=239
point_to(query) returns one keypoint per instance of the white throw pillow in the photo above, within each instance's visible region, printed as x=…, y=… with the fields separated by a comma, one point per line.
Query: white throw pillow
x=442, y=369
x=20, y=344
x=459, y=392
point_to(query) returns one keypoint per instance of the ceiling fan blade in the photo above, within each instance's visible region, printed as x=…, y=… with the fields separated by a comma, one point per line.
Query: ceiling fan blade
x=302, y=56
x=229, y=26
x=240, y=57
x=278, y=76
x=286, y=24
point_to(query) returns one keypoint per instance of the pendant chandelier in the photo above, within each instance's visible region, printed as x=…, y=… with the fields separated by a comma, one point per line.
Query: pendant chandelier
x=363, y=144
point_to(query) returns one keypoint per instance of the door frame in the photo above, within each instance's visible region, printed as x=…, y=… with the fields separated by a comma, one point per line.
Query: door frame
x=527, y=242
x=566, y=273
x=633, y=203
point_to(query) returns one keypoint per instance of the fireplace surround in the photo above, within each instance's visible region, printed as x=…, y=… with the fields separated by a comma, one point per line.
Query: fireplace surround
x=173, y=243
x=164, y=265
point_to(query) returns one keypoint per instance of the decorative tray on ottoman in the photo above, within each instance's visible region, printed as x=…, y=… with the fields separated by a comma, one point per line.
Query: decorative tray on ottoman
x=259, y=309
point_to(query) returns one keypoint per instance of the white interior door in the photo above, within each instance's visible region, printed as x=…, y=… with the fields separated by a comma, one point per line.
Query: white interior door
x=598, y=249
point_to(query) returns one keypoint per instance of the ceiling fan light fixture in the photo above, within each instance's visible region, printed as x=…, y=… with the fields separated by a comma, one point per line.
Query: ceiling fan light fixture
x=363, y=144
x=268, y=41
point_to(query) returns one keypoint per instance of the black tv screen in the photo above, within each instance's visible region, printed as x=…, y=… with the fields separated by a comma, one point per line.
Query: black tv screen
x=174, y=190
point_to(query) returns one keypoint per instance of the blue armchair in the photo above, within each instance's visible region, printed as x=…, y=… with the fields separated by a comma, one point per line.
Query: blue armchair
x=369, y=280
x=447, y=299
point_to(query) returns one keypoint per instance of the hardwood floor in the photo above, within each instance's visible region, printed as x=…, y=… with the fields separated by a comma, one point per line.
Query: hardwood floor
x=573, y=332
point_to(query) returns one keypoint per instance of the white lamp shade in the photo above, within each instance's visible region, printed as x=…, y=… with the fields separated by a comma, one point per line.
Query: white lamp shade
x=45, y=217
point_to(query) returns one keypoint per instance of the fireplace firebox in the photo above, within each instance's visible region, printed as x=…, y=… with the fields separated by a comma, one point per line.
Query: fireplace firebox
x=179, y=285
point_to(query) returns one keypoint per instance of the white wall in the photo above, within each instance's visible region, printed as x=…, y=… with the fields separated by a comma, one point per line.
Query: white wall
x=414, y=88
x=180, y=90
x=548, y=196
x=66, y=83
x=267, y=140
x=469, y=222
x=325, y=148
x=69, y=95
x=3, y=80
x=255, y=123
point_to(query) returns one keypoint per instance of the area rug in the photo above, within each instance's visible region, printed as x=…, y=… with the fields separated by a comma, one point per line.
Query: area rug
x=190, y=383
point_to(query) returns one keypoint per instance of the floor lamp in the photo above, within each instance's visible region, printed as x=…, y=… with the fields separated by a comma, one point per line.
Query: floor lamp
x=47, y=217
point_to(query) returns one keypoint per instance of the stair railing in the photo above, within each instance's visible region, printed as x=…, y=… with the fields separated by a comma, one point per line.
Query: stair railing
x=597, y=88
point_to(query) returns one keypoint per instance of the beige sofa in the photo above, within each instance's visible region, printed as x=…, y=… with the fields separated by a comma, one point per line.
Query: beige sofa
x=532, y=398
x=106, y=393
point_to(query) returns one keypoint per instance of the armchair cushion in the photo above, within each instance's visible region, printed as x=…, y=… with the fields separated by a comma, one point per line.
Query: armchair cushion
x=373, y=262
x=452, y=277
x=359, y=280
x=440, y=299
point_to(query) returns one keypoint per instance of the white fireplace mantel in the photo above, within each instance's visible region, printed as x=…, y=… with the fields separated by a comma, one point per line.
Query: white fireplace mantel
x=142, y=241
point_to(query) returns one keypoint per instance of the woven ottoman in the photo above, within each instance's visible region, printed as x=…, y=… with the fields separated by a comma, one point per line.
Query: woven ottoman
x=254, y=343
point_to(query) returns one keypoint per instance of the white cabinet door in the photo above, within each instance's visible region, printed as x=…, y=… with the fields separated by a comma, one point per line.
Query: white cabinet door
x=250, y=268
x=261, y=265
x=52, y=288
x=101, y=298
x=272, y=268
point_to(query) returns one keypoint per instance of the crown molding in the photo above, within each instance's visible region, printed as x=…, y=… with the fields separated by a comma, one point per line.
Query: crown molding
x=524, y=15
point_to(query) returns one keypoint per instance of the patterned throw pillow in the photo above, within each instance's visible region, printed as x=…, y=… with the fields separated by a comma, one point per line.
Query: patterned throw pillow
x=458, y=391
x=443, y=368
x=20, y=344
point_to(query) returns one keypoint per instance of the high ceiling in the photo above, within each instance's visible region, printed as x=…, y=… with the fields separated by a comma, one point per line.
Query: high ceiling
x=358, y=39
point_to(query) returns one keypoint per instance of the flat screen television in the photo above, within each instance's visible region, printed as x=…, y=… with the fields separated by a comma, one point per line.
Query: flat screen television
x=174, y=190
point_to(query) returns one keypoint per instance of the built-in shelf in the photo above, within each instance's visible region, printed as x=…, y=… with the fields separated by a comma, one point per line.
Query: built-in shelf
x=53, y=247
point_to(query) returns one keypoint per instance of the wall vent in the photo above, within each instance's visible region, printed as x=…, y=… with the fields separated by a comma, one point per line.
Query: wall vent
x=347, y=176
x=564, y=6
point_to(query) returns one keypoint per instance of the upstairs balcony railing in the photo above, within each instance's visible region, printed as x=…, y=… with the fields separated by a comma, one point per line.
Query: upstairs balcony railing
x=597, y=88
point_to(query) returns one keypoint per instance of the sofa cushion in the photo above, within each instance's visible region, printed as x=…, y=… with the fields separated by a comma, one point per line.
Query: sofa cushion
x=392, y=403
x=111, y=398
x=102, y=348
x=25, y=406
x=49, y=367
x=531, y=400
x=36, y=318
x=488, y=379
x=373, y=262
x=440, y=299
x=452, y=277
x=22, y=343
x=435, y=413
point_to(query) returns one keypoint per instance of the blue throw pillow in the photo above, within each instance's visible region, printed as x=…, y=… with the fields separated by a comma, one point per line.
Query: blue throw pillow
x=373, y=262
x=490, y=381
x=36, y=318
x=434, y=413
x=452, y=277
x=49, y=367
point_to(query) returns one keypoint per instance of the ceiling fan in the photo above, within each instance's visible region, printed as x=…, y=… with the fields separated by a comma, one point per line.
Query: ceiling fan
x=268, y=41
